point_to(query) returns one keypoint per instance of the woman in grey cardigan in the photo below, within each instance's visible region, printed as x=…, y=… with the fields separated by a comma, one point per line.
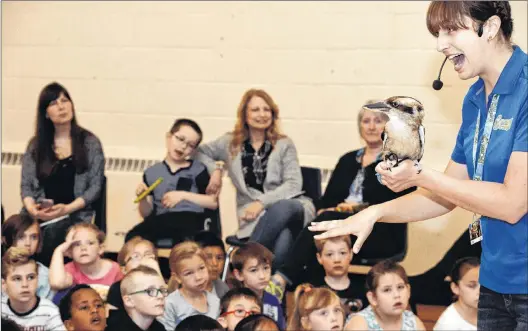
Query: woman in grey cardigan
x=62, y=169
x=263, y=166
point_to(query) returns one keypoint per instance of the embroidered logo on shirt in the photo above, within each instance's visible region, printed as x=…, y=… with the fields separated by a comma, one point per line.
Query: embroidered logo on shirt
x=502, y=123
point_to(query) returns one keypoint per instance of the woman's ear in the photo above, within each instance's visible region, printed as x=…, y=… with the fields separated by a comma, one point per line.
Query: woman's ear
x=492, y=27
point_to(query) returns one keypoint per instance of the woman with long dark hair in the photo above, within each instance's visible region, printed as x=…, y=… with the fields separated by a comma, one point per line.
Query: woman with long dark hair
x=62, y=169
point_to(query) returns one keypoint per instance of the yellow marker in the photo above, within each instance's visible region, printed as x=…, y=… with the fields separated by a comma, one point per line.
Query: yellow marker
x=150, y=189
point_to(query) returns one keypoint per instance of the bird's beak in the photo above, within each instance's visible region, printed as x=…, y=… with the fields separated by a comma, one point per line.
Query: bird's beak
x=378, y=106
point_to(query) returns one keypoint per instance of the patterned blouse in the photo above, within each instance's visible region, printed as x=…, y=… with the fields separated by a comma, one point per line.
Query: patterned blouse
x=408, y=319
x=356, y=189
x=255, y=164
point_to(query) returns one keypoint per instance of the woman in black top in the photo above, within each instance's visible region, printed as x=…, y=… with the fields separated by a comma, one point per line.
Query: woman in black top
x=64, y=163
x=352, y=186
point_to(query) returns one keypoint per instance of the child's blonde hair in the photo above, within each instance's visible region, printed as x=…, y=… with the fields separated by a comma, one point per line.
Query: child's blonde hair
x=307, y=300
x=179, y=253
x=101, y=237
x=129, y=247
x=16, y=257
x=319, y=244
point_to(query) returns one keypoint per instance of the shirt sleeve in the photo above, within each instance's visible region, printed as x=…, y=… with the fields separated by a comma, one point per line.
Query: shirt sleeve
x=520, y=144
x=458, y=154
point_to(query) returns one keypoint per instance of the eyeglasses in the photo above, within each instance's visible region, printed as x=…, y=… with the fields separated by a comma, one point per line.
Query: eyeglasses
x=138, y=256
x=153, y=292
x=186, y=143
x=240, y=313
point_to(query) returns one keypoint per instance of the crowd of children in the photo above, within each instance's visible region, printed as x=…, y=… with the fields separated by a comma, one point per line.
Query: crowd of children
x=138, y=297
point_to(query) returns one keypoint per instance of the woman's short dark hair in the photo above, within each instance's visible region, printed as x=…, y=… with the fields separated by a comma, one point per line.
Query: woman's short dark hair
x=199, y=323
x=450, y=15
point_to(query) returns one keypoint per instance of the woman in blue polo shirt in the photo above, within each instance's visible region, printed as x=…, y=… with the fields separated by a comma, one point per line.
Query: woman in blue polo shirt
x=487, y=173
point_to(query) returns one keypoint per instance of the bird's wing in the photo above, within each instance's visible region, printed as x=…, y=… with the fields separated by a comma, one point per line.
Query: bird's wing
x=421, y=133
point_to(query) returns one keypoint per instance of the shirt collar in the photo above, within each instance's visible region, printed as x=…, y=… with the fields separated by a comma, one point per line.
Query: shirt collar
x=508, y=78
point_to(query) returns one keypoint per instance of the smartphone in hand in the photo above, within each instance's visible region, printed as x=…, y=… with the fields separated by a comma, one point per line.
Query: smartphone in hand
x=45, y=203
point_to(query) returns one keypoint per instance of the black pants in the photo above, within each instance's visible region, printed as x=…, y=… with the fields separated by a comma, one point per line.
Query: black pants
x=385, y=241
x=167, y=230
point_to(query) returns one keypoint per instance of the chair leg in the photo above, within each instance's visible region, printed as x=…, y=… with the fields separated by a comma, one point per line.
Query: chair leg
x=227, y=261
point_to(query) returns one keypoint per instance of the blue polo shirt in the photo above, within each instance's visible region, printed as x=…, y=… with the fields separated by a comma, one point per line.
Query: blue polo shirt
x=504, y=262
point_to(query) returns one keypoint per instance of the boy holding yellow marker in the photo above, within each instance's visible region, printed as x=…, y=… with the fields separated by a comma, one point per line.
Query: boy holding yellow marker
x=172, y=198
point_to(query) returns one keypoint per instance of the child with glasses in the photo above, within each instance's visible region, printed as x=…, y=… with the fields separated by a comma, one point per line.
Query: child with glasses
x=144, y=292
x=237, y=304
x=189, y=280
x=135, y=252
x=175, y=209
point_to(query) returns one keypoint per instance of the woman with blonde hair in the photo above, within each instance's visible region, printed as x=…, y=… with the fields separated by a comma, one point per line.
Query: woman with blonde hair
x=264, y=168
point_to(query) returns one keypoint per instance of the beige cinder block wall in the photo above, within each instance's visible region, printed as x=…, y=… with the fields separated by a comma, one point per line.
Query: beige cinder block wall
x=133, y=67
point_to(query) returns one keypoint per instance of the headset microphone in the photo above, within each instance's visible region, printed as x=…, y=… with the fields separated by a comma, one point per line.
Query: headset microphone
x=437, y=84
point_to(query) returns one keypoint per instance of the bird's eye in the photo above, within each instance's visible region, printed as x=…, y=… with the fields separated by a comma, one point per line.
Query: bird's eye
x=395, y=104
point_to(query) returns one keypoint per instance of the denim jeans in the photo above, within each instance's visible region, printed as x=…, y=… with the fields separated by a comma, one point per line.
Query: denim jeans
x=503, y=312
x=278, y=227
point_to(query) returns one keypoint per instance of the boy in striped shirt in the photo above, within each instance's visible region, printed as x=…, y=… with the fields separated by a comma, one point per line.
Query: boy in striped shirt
x=23, y=306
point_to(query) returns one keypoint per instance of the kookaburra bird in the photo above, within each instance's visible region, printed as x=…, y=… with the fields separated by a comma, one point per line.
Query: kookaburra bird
x=404, y=135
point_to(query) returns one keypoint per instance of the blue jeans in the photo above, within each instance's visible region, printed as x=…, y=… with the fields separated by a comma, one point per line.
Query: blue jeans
x=278, y=227
x=503, y=312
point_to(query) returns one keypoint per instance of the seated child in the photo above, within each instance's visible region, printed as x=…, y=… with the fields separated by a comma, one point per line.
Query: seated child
x=135, y=252
x=251, y=266
x=175, y=208
x=19, y=284
x=144, y=292
x=82, y=309
x=388, y=293
x=316, y=308
x=215, y=253
x=462, y=314
x=189, y=279
x=257, y=322
x=334, y=255
x=85, y=245
x=199, y=323
x=24, y=232
x=235, y=305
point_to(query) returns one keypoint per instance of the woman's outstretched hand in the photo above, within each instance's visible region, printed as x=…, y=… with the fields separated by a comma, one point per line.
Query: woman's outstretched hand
x=359, y=225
